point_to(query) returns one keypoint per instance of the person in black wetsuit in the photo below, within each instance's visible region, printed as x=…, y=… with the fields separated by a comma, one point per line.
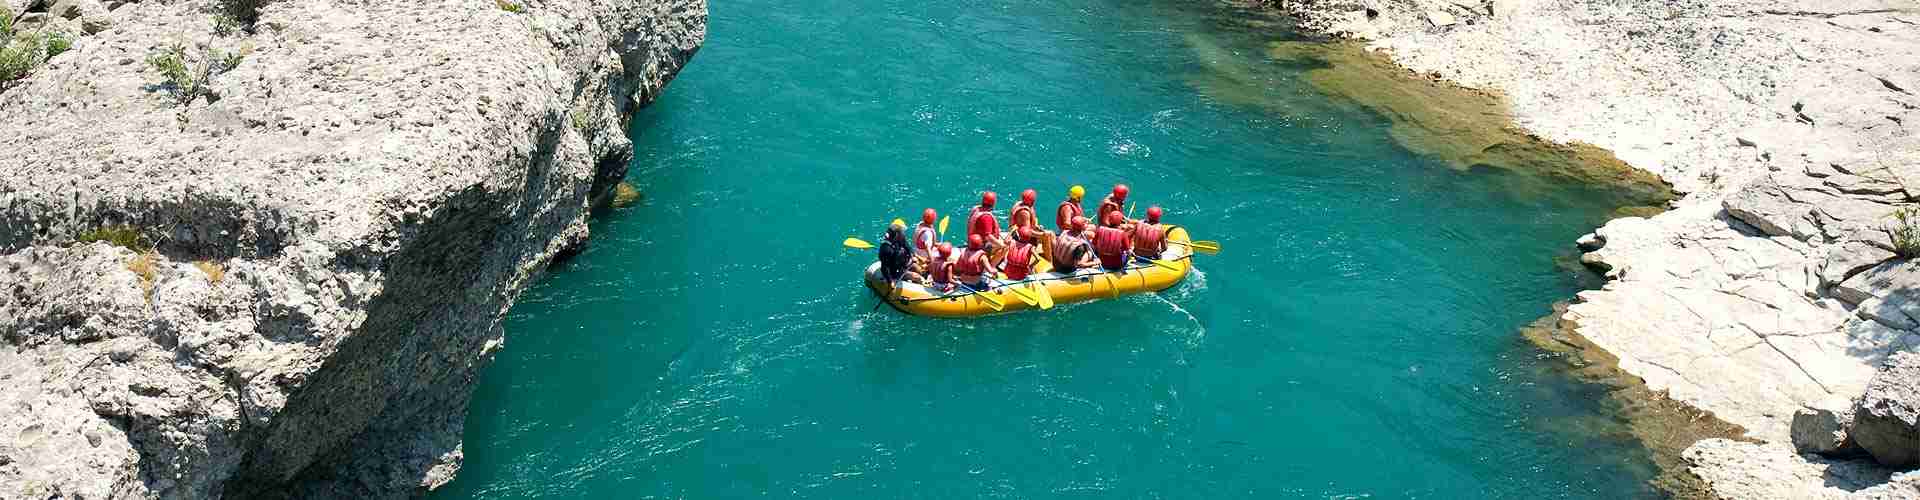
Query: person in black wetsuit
x=896, y=255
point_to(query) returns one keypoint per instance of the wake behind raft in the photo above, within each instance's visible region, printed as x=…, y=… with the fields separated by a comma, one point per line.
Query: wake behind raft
x=1140, y=276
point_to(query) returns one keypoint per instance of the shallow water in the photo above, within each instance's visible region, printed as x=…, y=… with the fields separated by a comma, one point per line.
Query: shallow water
x=1356, y=338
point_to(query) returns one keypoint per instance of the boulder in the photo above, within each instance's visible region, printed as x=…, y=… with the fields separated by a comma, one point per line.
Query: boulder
x=1821, y=428
x=1440, y=18
x=1590, y=242
x=1886, y=419
x=1771, y=207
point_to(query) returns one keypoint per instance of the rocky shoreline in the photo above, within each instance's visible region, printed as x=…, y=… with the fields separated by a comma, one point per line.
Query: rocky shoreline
x=1773, y=285
x=262, y=248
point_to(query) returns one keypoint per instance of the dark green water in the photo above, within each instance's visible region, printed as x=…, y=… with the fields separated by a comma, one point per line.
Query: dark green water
x=1357, y=338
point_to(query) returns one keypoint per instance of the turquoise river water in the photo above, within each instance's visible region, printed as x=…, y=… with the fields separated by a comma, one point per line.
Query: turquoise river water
x=1356, y=338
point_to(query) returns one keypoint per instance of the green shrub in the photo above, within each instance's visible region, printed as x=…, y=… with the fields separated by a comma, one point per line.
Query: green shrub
x=121, y=236
x=509, y=6
x=6, y=22
x=19, y=58
x=1905, y=233
x=57, y=43
x=189, y=78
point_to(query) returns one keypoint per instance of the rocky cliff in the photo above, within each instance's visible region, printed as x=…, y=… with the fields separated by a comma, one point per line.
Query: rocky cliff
x=1789, y=124
x=256, y=249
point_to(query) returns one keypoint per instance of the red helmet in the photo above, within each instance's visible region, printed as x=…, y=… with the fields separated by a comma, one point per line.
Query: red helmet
x=1079, y=223
x=1153, y=214
x=945, y=249
x=974, y=241
x=1119, y=191
x=926, y=216
x=1027, y=196
x=987, y=198
x=1115, y=219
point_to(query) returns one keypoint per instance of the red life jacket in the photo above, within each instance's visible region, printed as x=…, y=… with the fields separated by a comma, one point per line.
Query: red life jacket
x=1013, y=221
x=1063, y=216
x=1147, y=240
x=1106, y=205
x=983, y=223
x=1019, y=261
x=969, y=264
x=922, y=236
x=1063, y=247
x=1111, y=245
x=942, y=271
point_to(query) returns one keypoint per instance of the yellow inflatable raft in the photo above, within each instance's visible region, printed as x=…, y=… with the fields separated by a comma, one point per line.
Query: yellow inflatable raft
x=1088, y=284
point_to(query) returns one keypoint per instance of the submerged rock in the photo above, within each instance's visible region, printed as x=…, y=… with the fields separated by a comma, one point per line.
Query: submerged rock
x=1887, y=418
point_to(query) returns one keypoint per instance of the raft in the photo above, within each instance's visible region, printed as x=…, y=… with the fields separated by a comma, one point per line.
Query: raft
x=1140, y=276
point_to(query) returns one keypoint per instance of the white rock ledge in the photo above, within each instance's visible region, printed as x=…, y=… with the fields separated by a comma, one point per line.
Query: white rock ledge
x=374, y=183
x=1790, y=124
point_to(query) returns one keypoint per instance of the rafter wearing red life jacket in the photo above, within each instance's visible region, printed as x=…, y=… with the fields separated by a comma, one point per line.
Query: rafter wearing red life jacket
x=1019, y=261
x=1149, y=238
x=1110, y=243
x=1026, y=226
x=1112, y=205
x=1069, y=209
x=972, y=267
x=980, y=221
x=925, y=237
x=943, y=267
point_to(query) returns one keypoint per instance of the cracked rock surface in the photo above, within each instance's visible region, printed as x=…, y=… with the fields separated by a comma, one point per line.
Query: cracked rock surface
x=337, y=227
x=1789, y=124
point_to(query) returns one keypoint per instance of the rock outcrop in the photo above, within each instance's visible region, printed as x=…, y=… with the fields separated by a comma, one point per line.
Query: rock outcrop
x=278, y=274
x=1822, y=428
x=1887, y=419
x=1789, y=124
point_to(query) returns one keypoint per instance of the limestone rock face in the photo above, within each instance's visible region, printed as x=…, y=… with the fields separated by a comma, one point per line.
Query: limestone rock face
x=1789, y=124
x=1736, y=470
x=330, y=233
x=1822, y=428
x=1887, y=418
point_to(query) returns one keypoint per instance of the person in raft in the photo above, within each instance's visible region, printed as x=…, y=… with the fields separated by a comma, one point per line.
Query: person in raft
x=896, y=257
x=1111, y=242
x=925, y=238
x=1021, y=259
x=973, y=265
x=940, y=274
x=1069, y=209
x=1070, y=251
x=1026, y=227
x=1112, y=204
x=1149, y=238
x=981, y=222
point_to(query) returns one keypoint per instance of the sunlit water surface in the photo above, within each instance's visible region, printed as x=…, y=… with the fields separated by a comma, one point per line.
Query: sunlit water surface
x=1355, y=339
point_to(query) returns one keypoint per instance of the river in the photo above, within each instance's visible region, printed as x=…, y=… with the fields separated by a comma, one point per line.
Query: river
x=1356, y=338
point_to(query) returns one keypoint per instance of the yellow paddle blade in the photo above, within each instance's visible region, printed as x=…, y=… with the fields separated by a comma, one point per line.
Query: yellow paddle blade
x=944, y=219
x=1169, y=265
x=857, y=243
x=993, y=302
x=1024, y=295
x=1046, y=298
x=1206, y=247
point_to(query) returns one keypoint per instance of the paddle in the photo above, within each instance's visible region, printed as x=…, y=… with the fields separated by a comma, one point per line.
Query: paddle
x=1046, y=297
x=857, y=243
x=1026, y=296
x=1206, y=247
x=993, y=302
x=943, y=224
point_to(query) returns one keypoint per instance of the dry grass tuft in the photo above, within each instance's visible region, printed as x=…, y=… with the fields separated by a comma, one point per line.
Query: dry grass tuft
x=214, y=271
x=146, y=266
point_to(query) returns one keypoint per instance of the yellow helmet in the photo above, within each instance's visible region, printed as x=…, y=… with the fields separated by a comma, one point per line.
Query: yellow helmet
x=1077, y=192
x=899, y=224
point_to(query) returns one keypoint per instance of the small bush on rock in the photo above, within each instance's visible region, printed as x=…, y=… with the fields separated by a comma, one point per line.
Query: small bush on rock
x=509, y=6
x=188, y=79
x=214, y=272
x=121, y=236
x=57, y=43
x=1905, y=233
